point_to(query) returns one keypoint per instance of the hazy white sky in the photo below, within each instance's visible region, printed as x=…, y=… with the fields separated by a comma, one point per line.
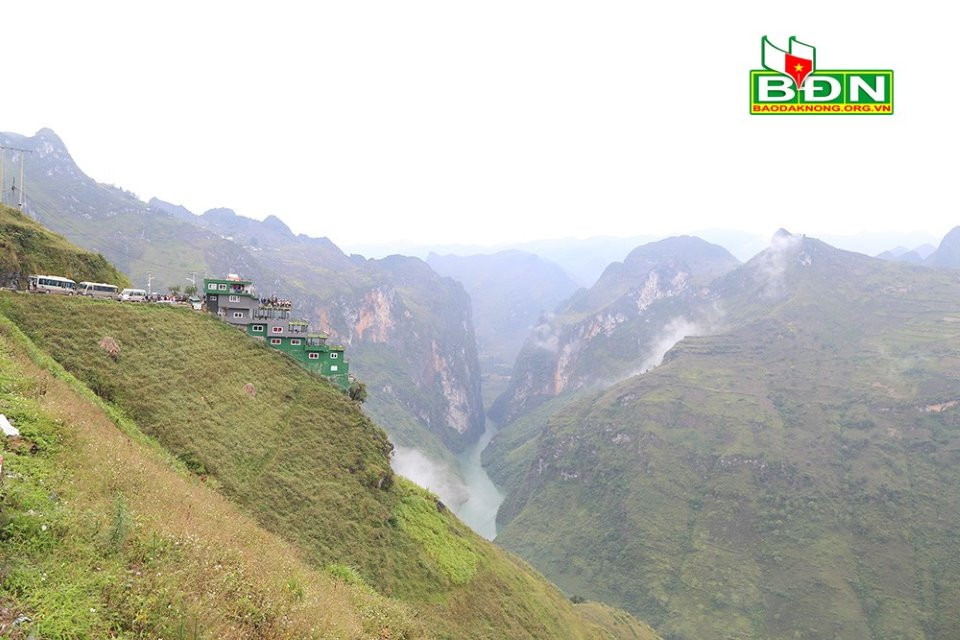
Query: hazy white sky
x=491, y=121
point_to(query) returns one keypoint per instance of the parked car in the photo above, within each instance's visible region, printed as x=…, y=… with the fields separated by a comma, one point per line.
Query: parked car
x=132, y=295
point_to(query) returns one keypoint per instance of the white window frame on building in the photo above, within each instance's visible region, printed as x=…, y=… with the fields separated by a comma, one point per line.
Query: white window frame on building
x=277, y=330
x=313, y=355
x=334, y=355
x=258, y=328
x=276, y=340
x=295, y=341
x=234, y=298
x=333, y=367
x=222, y=287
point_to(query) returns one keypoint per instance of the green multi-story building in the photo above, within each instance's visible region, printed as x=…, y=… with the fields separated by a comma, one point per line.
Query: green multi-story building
x=232, y=299
x=235, y=301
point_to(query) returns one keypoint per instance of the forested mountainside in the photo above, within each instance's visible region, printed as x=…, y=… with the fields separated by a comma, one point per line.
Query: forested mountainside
x=794, y=474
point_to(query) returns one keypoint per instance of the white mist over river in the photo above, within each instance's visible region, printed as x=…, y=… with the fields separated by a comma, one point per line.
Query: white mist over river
x=471, y=495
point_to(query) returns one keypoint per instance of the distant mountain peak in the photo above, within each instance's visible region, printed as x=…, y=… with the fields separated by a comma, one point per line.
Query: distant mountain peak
x=46, y=143
x=222, y=213
x=276, y=224
x=176, y=210
x=948, y=253
x=47, y=133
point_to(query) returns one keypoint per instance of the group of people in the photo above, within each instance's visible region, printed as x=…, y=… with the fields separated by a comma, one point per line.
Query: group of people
x=276, y=303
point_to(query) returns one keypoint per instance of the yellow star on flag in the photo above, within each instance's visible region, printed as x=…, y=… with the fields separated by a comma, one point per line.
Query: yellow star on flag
x=799, y=67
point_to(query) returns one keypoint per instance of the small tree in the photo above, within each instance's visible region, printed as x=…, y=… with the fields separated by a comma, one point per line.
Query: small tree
x=190, y=290
x=357, y=391
x=175, y=290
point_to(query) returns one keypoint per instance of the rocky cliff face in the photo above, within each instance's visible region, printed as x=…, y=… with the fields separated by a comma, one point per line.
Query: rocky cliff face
x=410, y=335
x=509, y=290
x=620, y=326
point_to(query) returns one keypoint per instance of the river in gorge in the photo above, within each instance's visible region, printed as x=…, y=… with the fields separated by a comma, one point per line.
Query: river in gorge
x=470, y=493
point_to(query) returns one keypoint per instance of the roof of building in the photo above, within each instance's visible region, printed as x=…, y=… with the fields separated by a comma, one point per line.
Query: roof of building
x=228, y=281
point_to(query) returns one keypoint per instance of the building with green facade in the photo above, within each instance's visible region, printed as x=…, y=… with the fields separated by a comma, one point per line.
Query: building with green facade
x=235, y=301
x=232, y=299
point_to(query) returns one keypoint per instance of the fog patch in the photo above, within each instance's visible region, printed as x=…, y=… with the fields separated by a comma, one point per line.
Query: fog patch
x=430, y=474
x=672, y=333
x=545, y=336
x=772, y=263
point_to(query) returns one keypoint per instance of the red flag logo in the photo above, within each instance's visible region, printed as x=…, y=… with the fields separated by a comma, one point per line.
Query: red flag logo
x=797, y=62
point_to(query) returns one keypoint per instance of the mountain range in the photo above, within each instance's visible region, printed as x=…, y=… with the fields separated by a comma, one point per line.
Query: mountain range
x=408, y=331
x=793, y=472
x=767, y=449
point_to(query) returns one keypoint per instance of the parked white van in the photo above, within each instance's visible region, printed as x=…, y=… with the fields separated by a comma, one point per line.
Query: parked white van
x=132, y=295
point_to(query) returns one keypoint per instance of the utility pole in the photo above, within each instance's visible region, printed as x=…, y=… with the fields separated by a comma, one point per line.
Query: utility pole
x=149, y=283
x=3, y=155
x=3, y=158
x=22, y=158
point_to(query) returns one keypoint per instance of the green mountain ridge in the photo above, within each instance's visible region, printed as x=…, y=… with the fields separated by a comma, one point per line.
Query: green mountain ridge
x=792, y=475
x=143, y=439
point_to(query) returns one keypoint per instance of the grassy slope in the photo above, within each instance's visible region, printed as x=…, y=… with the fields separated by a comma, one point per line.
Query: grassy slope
x=299, y=458
x=782, y=480
x=103, y=535
x=28, y=248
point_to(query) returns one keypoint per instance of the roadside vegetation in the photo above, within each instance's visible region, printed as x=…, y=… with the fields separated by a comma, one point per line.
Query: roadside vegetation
x=27, y=248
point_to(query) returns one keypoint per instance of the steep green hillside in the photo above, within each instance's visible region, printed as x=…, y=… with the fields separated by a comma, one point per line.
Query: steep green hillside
x=28, y=248
x=300, y=459
x=103, y=535
x=795, y=476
